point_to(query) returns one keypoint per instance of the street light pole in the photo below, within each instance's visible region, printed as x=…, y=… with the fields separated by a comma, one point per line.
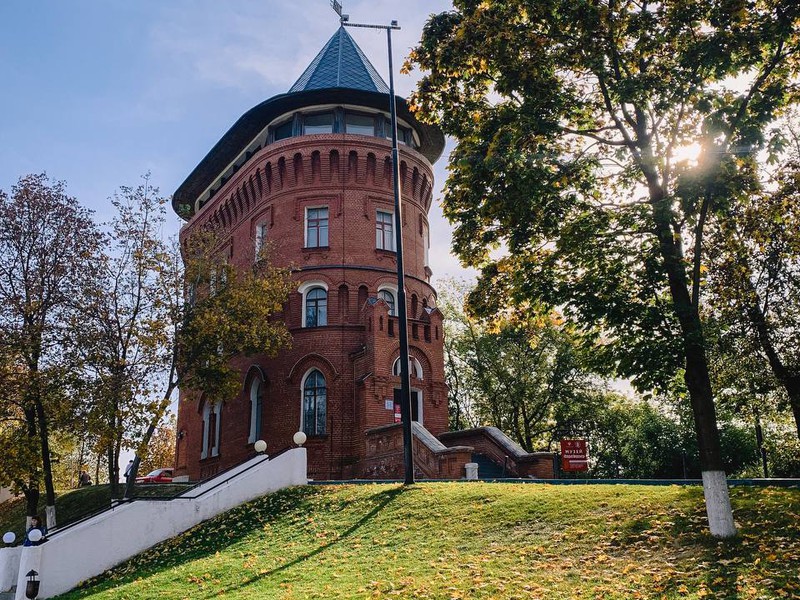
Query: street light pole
x=405, y=379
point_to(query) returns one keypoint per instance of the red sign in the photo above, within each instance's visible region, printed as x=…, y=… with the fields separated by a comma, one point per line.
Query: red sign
x=398, y=417
x=574, y=455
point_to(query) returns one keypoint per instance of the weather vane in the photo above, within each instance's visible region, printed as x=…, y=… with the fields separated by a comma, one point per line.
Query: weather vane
x=336, y=5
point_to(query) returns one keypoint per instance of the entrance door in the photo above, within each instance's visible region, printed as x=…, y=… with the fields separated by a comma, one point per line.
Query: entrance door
x=414, y=405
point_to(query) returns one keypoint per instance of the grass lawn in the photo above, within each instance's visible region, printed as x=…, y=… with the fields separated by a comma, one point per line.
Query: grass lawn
x=474, y=540
x=70, y=505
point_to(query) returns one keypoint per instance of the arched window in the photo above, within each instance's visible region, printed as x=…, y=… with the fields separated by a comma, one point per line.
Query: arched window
x=315, y=403
x=212, y=416
x=316, y=313
x=388, y=297
x=414, y=368
x=256, y=409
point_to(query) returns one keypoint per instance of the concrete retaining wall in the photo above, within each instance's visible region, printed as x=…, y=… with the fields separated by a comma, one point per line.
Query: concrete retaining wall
x=9, y=567
x=91, y=547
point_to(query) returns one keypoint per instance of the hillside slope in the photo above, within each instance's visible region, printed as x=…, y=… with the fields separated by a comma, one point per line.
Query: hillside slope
x=473, y=540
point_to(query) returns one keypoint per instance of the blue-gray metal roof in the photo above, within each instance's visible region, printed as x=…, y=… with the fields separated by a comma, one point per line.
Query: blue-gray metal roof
x=340, y=64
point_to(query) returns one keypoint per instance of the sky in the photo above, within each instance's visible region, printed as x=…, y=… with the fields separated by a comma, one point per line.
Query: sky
x=98, y=92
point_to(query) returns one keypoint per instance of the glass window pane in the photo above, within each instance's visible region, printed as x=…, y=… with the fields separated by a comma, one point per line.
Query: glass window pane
x=387, y=297
x=283, y=131
x=322, y=123
x=321, y=407
x=360, y=124
x=384, y=233
x=316, y=227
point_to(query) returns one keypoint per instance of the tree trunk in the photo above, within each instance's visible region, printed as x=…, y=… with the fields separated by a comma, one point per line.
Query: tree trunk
x=112, y=480
x=788, y=379
x=151, y=429
x=793, y=390
x=698, y=382
x=49, y=489
x=31, y=499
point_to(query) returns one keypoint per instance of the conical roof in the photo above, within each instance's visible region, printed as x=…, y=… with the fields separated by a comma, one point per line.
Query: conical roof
x=340, y=64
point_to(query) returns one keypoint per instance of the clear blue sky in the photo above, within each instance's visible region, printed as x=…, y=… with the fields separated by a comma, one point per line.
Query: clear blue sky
x=98, y=92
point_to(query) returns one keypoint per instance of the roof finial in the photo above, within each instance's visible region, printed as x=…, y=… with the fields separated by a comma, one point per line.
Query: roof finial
x=336, y=5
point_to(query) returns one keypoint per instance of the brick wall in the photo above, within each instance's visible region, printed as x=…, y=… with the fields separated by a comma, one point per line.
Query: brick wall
x=384, y=456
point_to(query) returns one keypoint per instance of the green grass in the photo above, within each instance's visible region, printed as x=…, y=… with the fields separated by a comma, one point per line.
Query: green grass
x=71, y=505
x=458, y=540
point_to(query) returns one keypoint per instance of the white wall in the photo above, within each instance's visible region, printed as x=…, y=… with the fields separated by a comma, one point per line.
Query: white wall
x=9, y=567
x=88, y=549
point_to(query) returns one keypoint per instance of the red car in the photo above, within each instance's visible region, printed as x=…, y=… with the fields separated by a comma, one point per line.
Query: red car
x=157, y=476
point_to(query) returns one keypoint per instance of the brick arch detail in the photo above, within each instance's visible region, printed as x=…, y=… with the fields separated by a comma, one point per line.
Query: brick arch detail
x=420, y=355
x=312, y=360
x=253, y=371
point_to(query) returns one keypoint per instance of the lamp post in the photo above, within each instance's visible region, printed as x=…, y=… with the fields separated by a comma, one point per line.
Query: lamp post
x=405, y=380
x=32, y=585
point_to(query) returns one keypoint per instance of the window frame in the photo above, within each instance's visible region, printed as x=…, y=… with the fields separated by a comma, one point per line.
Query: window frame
x=256, y=409
x=308, y=116
x=380, y=230
x=305, y=289
x=304, y=426
x=260, y=237
x=372, y=117
x=307, y=226
x=391, y=291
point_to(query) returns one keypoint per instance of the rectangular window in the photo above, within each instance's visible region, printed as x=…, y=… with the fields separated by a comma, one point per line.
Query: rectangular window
x=404, y=135
x=384, y=231
x=283, y=131
x=360, y=124
x=322, y=123
x=317, y=227
x=426, y=240
x=261, y=237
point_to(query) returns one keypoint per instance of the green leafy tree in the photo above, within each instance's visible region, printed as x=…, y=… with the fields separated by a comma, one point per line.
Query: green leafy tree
x=48, y=245
x=571, y=118
x=161, y=450
x=213, y=312
x=527, y=377
x=755, y=275
x=123, y=325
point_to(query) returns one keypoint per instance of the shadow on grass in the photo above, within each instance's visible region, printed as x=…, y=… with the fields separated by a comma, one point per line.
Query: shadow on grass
x=219, y=533
x=384, y=498
x=750, y=563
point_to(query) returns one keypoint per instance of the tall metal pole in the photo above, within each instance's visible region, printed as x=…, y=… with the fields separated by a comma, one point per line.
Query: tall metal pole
x=405, y=379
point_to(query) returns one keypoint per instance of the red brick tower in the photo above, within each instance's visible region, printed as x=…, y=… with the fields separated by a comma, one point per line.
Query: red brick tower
x=309, y=172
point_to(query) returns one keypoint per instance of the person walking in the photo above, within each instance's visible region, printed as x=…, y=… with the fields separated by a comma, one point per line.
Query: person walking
x=128, y=470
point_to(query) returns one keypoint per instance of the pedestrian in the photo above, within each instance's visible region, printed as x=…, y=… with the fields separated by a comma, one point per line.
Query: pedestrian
x=85, y=479
x=128, y=470
x=36, y=524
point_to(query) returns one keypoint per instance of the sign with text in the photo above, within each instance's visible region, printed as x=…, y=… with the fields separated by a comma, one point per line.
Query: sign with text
x=574, y=455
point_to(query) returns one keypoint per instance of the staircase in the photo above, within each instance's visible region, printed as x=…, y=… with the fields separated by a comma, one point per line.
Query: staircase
x=488, y=468
x=492, y=448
